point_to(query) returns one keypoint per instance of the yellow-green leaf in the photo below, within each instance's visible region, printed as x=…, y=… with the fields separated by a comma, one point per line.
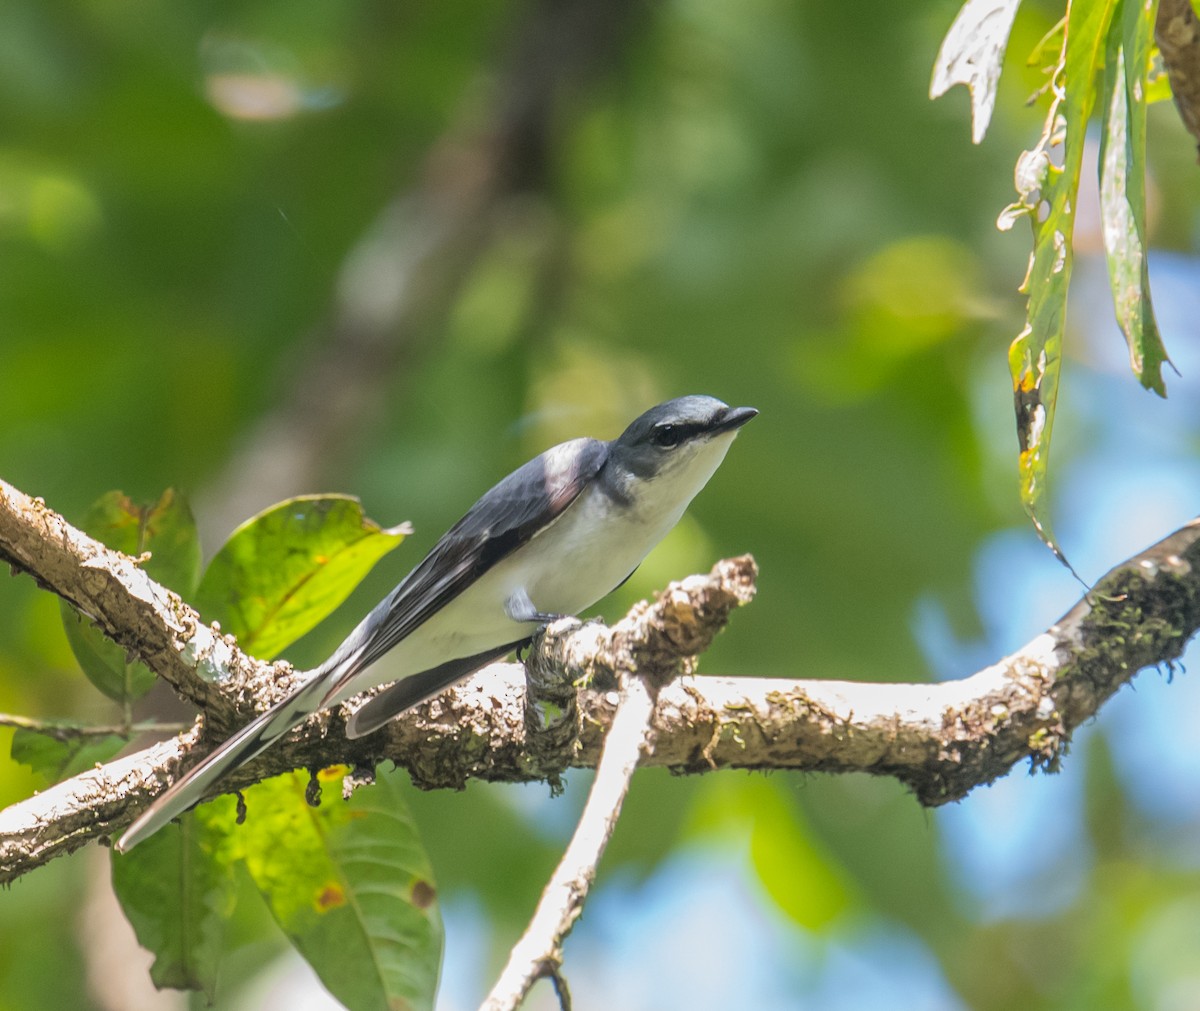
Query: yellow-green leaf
x=805, y=882
x=286, y=569
x=350, y=885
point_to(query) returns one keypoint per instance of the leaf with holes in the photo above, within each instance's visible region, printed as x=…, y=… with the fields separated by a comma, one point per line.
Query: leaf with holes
x=972, y=54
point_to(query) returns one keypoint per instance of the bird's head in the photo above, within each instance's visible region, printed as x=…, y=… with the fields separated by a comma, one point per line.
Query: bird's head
x=685, y=439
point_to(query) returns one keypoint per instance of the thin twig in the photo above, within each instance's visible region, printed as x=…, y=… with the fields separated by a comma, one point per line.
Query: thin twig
x=539, y=951
x=71, y=731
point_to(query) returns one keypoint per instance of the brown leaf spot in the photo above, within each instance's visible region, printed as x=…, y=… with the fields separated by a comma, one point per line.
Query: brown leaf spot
x=423, y=894
x=330, y=897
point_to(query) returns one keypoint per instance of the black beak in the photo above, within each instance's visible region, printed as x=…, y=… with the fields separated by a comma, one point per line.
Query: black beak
x=733, y=418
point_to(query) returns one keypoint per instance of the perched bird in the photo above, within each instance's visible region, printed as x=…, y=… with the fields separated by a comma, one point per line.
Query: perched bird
x=549, y=540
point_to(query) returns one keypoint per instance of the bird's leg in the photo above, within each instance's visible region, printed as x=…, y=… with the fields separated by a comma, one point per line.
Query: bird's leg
x=520, y=608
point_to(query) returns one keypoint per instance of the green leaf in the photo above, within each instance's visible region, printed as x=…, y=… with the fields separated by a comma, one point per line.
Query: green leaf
x=1123, y=188
x=972, y=54
x=176, y=889
x=104, y=662
x=167, y=530
x=350, y=884
x=63, y=750
x=805, y=881
x=286, y=569
x=1048, y=197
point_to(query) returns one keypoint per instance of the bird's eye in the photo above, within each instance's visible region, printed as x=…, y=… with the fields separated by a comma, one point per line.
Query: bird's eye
x=667, y=436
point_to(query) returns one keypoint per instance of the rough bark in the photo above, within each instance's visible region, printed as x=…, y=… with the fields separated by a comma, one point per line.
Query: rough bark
x=1177, y=33
x=940, y=739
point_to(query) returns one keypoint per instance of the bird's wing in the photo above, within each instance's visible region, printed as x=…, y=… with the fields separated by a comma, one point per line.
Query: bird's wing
x=506, y=517
x=404, y=694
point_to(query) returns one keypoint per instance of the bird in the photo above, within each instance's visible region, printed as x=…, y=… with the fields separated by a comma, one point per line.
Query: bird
x=549, y=540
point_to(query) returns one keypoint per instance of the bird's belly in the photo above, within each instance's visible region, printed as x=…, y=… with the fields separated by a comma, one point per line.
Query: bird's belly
x=590, y=550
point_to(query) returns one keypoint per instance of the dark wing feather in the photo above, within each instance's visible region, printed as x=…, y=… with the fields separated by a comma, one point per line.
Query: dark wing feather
x=506, y=517
x=396, y=698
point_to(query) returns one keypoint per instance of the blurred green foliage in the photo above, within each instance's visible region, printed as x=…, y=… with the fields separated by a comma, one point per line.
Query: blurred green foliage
x=753, y=201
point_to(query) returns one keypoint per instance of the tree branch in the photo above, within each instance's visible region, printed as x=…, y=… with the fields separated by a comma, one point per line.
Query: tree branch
x=1178, y=36
x=150, y=621
x=940, y=739
x=92, y=805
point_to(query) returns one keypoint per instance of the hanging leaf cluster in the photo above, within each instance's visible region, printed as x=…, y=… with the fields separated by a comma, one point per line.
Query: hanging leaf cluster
x=1105, y=60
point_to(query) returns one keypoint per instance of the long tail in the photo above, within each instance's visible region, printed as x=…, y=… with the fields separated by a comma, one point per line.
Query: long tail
x=258, y=735
x=415, y=688
x=326, y=686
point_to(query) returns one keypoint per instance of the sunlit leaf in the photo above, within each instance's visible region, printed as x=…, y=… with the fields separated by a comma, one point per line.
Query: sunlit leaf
x=972, y=54
x=350, y=884
x=1047, y=196
x=286, y=569
x=56, y=753
x=1123, y=188
x=176, y=888
x=167, y=531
